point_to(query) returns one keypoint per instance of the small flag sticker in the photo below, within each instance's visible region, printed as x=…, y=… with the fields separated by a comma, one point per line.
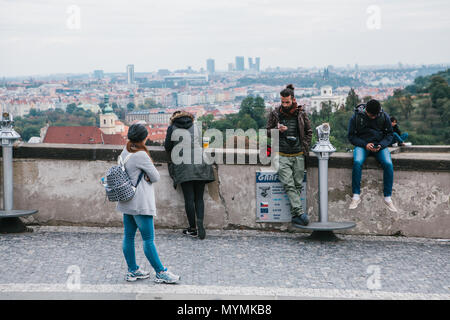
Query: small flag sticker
x=264, y=205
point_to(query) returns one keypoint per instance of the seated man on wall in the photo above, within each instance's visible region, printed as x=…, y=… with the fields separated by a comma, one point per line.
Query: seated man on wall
x=370, y=131
x=399, y=137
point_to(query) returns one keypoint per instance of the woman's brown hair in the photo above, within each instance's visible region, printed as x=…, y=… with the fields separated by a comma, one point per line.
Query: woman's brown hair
x=133, y=147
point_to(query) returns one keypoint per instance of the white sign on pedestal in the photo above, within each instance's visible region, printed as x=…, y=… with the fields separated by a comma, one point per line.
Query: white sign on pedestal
x=272, y=202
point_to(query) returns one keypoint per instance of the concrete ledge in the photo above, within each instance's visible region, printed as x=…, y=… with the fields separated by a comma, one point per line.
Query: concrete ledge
x=63, y=183
x=78, y=152
x=426, y=149
x=417, y=159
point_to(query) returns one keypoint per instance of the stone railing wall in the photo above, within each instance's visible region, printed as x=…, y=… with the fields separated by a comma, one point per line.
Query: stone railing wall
x=63, y=183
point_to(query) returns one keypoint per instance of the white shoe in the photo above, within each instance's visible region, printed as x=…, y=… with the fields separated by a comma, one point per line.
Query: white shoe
x=390, y=206
x=166, y=277
x=138, y=274
x=354, y=204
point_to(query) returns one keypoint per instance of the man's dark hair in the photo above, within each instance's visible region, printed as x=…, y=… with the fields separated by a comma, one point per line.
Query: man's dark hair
x=288, y=91
x=394, y=119
x=373, y=107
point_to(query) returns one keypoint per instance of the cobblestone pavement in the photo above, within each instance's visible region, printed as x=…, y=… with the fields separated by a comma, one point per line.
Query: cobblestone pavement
x=230, y=264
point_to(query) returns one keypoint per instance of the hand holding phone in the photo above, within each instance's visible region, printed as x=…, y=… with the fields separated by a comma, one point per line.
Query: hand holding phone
x=282, y=127
x=374, y=147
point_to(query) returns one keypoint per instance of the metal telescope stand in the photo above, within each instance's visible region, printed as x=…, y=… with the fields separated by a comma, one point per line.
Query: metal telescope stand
x=9, y=218
x=323, y=229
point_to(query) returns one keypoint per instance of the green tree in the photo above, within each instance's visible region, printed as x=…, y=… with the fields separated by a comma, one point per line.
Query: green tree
x=71, y=108
x=206, y=120
x=131, y=106
x=406, y=105
x=247, y=122
x=352, y=100
x=255, y=108
x=367, y=99
x=150, y=103
x=30, y=131
x=438, y=89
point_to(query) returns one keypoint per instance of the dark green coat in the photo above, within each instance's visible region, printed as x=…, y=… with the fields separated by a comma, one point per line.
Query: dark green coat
x=184, y=172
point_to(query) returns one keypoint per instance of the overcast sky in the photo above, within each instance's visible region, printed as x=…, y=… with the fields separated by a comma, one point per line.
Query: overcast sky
x=45, y=36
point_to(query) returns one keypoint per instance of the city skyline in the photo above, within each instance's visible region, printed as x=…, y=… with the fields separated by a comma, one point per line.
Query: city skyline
x=55, y=37
x=104, y=73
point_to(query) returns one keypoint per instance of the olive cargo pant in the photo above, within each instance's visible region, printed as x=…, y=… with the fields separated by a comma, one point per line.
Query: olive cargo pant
x=291, y=174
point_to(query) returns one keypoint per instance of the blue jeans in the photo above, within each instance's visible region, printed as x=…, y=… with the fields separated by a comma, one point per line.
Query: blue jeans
x=146, y=228
x=401, y=138
x=384, y=157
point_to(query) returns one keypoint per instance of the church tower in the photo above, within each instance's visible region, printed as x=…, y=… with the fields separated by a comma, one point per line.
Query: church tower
x=108, y=118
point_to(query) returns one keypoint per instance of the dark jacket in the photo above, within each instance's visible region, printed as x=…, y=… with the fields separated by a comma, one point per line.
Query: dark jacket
x=396, y=129
x=370, y=131
x=304, y=127
x=184, y=172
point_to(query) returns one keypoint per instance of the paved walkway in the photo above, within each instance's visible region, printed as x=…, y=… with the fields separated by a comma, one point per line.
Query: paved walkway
x=87, y=263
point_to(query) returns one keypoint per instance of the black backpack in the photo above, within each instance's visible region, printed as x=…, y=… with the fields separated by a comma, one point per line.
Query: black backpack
x=360, y=121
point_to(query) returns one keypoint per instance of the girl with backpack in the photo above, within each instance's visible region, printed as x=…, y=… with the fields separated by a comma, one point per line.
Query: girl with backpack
x=138, y=212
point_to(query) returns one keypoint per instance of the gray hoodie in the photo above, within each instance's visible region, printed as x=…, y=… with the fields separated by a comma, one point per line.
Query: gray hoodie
x=143, y=202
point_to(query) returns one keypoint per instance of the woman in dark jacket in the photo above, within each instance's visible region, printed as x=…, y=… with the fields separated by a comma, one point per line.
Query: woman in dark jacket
x=191, y=172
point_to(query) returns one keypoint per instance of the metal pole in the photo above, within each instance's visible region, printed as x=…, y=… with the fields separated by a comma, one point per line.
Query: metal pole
x=7, y=179
x=323, y=190
x=323, y=229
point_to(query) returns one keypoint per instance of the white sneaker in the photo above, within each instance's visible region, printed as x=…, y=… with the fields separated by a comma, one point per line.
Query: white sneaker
x=166, y=277
x=390, y=206
x=354, y=204
x=138, y=274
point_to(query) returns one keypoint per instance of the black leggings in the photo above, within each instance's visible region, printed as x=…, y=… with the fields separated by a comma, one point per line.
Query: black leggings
x=193, y=201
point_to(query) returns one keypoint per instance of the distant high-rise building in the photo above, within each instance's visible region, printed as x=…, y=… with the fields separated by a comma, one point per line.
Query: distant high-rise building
x=210, y=65
x=240, y=64
x=326, y=74
x=98, y=74
x=163, y=72
x=230, y=67
x=257, y=63
x=130, y=73
x=254, y=66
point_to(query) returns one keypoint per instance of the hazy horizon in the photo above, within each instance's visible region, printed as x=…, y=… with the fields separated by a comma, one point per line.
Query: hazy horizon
x=45, y=37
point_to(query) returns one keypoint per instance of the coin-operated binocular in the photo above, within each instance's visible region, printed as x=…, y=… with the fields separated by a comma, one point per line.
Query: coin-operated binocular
x=323, y=229
x=9, y=218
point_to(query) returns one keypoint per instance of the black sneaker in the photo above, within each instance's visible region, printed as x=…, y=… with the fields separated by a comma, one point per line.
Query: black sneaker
x=301, y=219
x=190, y=232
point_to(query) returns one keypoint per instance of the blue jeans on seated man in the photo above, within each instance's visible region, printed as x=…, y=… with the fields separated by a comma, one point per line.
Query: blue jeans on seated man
x=384, y=157
x=400, y=138
x=145, y=224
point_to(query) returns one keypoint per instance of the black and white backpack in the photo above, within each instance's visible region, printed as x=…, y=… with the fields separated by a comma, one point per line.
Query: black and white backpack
x=118, y=184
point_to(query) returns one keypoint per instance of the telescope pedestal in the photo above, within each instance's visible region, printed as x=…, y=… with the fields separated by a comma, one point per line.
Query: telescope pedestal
x=11, y=223
x=323, y=231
